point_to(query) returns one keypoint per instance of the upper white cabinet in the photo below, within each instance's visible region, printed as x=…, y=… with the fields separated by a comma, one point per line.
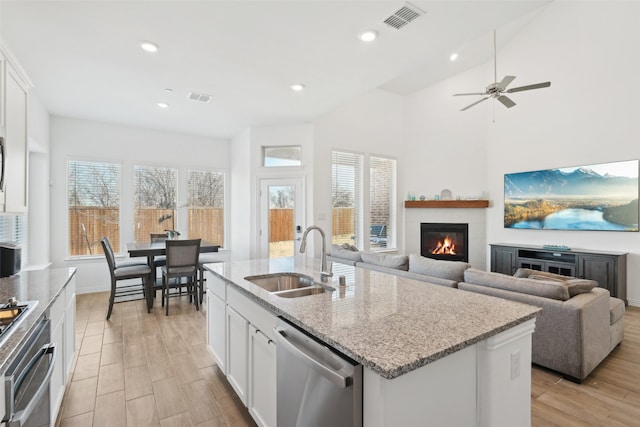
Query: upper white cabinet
x=14, y=88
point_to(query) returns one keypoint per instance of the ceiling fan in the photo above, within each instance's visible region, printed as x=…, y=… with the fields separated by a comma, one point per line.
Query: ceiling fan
x=498, y=89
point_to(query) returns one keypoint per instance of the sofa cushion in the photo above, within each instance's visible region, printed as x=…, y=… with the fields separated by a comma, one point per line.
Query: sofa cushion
x=575, y=286
x=339, y=252
x=527, y=272
x=542, y=288
x=399, y=262
x=451, y=270
x=616, y=310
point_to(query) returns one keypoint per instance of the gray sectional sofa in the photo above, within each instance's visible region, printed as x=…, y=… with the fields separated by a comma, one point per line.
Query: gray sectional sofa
x=577, y=328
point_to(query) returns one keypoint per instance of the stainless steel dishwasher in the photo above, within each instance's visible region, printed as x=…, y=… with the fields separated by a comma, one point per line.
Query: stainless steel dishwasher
x=316, y=385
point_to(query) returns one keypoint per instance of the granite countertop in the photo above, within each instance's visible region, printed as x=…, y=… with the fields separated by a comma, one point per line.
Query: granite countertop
x=43, y=286
x=390, y=324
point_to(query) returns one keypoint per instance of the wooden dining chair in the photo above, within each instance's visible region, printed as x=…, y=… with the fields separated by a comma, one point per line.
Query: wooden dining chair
x=205, y=258
x=126, y=271
x=182, y=262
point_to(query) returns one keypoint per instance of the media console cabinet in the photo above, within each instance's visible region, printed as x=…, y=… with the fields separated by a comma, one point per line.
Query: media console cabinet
x=609, y=269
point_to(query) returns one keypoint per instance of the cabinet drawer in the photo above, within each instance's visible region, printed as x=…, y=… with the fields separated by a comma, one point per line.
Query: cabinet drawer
x=216, y=285
x=260, y=317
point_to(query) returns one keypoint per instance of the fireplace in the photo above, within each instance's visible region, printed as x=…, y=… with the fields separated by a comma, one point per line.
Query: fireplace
x=444, y=241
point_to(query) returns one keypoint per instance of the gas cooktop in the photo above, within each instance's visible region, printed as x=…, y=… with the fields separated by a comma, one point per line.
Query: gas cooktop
x=12, y=314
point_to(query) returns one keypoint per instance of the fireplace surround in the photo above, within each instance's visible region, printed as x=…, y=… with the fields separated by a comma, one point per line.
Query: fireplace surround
x=444, y=241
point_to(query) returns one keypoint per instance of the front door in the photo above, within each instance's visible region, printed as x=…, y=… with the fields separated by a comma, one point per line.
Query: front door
x=281, y=217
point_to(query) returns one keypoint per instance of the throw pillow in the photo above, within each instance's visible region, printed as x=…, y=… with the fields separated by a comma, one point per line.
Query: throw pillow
x=451, y=270
x=338, y=252
x=574, y=286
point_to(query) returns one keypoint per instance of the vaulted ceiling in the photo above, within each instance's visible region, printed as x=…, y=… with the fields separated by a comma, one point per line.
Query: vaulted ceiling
x=85, y=61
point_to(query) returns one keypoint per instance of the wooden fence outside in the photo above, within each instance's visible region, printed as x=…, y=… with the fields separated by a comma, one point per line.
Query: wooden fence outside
x=204, y=223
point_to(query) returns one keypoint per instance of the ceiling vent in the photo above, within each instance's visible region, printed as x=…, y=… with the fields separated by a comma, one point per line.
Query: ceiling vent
x=200, y=97
x=403, y=16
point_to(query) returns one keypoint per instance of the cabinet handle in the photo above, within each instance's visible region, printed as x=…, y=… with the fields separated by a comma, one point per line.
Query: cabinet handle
x=3, y=160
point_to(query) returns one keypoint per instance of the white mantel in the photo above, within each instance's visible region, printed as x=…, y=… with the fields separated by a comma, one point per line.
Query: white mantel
x=475, y=217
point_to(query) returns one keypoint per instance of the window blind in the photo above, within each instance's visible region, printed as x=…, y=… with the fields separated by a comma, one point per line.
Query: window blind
x=206, y=205
x=155, y=192
x=382, y=206
x=346, y=195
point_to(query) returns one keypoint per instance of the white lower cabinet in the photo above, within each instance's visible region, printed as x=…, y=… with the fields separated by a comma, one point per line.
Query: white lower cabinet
x=240, y=336
x=216, y=330
x=62, y=316
x=237, y=352
x=262, y=378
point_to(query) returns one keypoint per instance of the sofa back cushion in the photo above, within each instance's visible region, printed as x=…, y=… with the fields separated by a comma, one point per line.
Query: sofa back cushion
x=340, y=252
x=399, y=262
x=451, y=270
x=574, y=286
x=542, y=288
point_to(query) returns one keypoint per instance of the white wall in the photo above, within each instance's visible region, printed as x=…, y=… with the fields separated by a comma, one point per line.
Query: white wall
x=588, y=115
x=241, y=218
x=87, y=140
x=371, y=123
x=38, y=216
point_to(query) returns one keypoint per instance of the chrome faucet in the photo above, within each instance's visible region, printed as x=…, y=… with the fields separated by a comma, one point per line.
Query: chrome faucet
x=325, y=272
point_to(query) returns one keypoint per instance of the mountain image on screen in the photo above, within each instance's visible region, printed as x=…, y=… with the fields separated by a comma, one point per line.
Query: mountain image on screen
x=597, y=197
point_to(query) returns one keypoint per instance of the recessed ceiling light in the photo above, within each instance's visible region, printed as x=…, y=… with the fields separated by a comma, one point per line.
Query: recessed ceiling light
x=368, y=36
x=148, y=46
x=168, y=90
x=453, y=57
x=162, y=105
x=297, y=87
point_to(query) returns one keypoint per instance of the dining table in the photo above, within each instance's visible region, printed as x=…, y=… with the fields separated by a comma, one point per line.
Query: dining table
x=154, y=249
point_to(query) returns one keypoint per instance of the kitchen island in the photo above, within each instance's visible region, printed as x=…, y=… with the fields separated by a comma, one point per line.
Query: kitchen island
x=431, y=355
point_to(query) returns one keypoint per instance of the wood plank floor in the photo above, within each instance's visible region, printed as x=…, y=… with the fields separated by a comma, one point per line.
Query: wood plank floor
x=142, y=369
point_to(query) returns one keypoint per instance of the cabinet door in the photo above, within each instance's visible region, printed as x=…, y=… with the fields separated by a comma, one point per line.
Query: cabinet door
x=216, y=330
x=599, y=268
x=15, y=182
x=56, y=386
x=531, y=264
x=564, y=269
x=262, y=378
x=237, y=352
x=503, y=260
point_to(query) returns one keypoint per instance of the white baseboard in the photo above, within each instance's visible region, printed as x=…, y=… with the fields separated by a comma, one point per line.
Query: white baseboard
x=633, y=302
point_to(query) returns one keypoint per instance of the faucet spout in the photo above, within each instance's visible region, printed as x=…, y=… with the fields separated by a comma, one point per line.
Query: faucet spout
x=325, y=268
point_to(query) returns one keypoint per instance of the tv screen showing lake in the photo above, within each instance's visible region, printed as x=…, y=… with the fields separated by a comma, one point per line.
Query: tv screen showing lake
x=594, y=197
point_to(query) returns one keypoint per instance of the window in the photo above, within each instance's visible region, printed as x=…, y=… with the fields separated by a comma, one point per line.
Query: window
x=346, y=196
x=94, y=206
x=155, y=200
x=206, y=206
x=382, y=206
x=281, y=156
x=348, y=190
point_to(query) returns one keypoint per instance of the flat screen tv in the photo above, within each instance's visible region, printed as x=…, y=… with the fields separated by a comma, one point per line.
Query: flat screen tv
x=593, y=197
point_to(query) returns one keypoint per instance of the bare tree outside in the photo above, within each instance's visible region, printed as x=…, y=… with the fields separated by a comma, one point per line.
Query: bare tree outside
x=206, y=189
x=94, y=206
x=281, y=197
x=155, y=187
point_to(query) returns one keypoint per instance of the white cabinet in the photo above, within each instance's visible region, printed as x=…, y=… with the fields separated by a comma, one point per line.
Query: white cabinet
x=240, y=336
x=58, y=377
x=262, y=378
x=216, y=330
x=238, y=352
x=13, y=129
x=62, y=315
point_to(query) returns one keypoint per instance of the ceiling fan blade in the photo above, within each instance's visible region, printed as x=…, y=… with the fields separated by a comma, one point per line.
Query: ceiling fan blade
x=529, y=87
x=505, y=82
x=507, y=102
x=477, y=102
x=464, y=94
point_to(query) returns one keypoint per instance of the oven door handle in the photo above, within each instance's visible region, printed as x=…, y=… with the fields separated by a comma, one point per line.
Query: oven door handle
x=19, y=418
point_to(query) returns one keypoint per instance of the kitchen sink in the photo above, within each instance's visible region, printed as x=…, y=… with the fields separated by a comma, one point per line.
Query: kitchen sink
x=287, y=285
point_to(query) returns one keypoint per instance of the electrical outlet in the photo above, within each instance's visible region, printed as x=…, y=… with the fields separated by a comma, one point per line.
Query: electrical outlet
x=515, y=365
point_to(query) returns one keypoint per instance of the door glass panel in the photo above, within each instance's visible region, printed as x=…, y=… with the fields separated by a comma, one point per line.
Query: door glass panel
x=281, y=220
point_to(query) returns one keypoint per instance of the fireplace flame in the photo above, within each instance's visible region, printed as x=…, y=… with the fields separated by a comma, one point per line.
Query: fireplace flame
x=446, y=247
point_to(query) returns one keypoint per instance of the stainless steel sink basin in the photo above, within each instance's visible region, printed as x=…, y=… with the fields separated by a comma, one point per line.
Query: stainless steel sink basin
x=287, y=285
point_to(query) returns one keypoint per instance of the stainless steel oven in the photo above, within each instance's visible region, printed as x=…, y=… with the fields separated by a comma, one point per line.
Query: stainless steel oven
x=27, y=380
